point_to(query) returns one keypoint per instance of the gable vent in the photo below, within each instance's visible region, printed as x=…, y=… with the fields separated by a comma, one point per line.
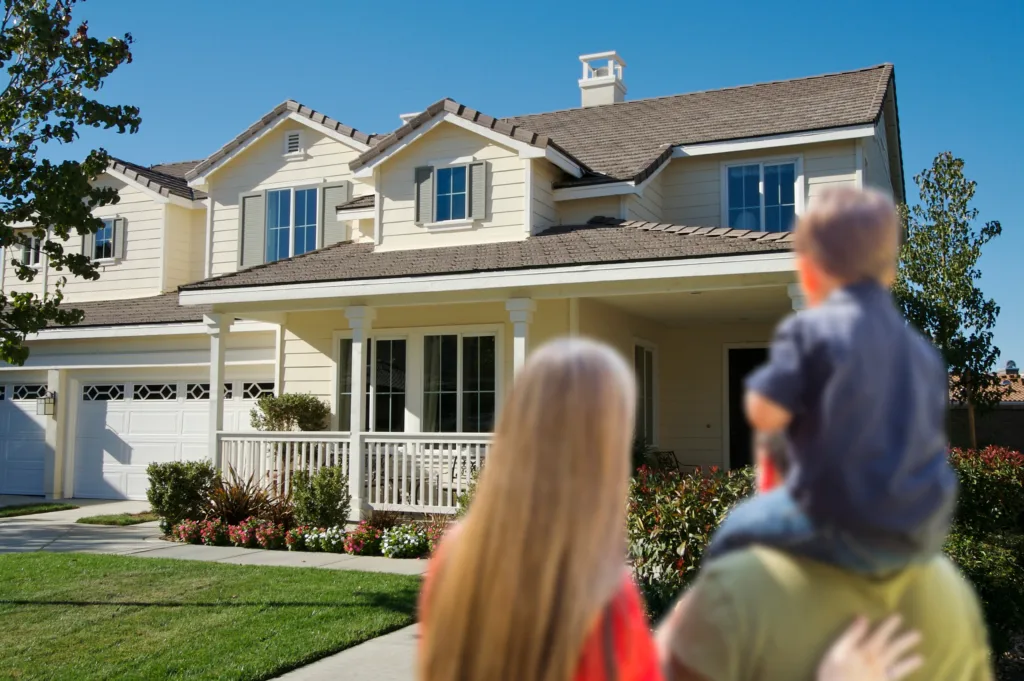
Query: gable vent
x=293, y=142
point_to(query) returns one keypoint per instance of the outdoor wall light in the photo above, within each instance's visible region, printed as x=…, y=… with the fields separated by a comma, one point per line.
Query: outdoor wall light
x=46, y=405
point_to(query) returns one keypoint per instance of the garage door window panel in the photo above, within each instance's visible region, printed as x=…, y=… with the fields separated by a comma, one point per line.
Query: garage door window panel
x=155, y=392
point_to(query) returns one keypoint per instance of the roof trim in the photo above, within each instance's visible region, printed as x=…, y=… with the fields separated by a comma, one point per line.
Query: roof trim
x=286, y=110
x=525, y=142
x=771, y=141
x=160, y=193
x=144, y=330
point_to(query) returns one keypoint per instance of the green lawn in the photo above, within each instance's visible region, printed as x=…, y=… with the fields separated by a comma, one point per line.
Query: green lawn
x=30, y=509
x=120, y=519
x=79, y=616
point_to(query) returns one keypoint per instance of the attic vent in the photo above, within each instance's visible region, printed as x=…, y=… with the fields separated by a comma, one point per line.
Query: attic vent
x=293, y=142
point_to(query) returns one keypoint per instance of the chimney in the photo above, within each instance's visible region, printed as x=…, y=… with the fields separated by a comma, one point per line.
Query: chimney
x=602, y=79
x=1011, y=368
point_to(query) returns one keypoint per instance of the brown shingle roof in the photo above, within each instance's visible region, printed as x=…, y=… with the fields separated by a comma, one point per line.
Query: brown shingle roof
x=162, y=309
x=164, y=178
x=512, y=130
x=603, y=240
x=284, y=107
x=626, y=140
x=358, y=203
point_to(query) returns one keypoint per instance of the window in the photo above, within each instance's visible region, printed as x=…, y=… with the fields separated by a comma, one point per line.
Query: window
x=29, y=391
x=291, y=222
x=103, y=246
x=103, y=393
x=32, y=251
x=387, y=382
x=254, y=391
x=478, y=384
x=761, y=196
x=155, y=392
x=643, y=365
x=451, y=194
x=458, y=384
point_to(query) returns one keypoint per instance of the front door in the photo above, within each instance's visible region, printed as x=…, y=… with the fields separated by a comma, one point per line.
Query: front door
x=742, y=361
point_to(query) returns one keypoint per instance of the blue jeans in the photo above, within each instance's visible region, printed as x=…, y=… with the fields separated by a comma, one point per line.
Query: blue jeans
x=775, y=520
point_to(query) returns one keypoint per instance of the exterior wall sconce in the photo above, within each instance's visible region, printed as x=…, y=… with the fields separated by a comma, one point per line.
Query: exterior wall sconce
x=46, y=405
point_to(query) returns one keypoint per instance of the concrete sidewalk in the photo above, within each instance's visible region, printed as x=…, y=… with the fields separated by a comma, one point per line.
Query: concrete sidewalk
x=387, y=658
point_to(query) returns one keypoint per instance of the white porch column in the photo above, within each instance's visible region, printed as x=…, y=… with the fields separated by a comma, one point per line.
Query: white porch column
x=56, y=434
x=217, y=328
x=796, y=296
x=520, y=312
x=360, y=320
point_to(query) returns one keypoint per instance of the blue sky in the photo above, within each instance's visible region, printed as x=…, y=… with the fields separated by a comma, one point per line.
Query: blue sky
x=206, y=69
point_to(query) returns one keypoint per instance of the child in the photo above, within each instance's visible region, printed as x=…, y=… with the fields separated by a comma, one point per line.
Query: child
x=861, y=399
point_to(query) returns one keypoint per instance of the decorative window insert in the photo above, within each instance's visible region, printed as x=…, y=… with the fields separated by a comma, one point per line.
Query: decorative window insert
x=155, y=392
x=197, y=391
x=29, y=391
x=254, y=391
x=762, y=196
x=103, y=392
x=459, y=379
x=452, y=194
x=291, y=222
x=229, y=391
x=103, y=245
x=3, y=393
x=643, y=365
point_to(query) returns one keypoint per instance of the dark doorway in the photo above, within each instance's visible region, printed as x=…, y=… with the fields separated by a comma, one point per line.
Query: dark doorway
x=741, y=362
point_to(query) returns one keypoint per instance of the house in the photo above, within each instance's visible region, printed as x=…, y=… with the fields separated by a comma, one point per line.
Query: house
x=1003, y=425
x=436, y=256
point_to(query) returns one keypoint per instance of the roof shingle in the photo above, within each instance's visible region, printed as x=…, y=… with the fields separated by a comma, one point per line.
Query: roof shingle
x=164, y=178
x=162, y=309
x=358, y=203
x=603, y=240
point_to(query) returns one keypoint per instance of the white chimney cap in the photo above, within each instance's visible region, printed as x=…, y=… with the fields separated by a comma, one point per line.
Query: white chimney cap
x=611, y=54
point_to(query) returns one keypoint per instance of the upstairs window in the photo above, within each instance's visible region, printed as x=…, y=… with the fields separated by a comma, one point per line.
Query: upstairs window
x=761, y=196
x=103, y=248
x=291, y=222
x=31, y=252
x=451, y=194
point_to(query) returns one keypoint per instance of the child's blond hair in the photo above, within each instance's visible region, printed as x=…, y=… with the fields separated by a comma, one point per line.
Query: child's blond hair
x=852, y=234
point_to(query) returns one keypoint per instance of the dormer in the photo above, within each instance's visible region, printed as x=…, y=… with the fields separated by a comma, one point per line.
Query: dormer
x=602, y=81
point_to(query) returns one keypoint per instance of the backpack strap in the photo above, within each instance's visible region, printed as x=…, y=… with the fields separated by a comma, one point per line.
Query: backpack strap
x=608, y=643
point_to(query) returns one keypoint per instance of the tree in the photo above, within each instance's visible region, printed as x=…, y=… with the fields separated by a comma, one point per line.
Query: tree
x=53, y=70
x=937, y=282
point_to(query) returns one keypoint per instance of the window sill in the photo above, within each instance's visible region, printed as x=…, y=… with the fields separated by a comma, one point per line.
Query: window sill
x=104, y=262
x=296, y=156
x=451, y=225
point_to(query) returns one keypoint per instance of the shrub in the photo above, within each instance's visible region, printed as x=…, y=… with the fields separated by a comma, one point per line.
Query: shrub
x=243, y=534
x=269, y=535
x=384, y=520
x=213, y=532
x=331, y=539
x=641, y=451
x=187, y=532
x=436, y=526
x=464, y=499
x=295, y=538
x=991, y=489
x=290, y=412
x=405, y=541
x=365, y=540
x=235, y=500
x=321, y=499
x=178, y=490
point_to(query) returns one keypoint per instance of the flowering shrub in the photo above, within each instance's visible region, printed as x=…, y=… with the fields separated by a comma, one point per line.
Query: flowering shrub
x=405, y=541
x=269, y=535
x=991, y=489
x=213, y=532
x=436, y=526
x=187, y=531
x=328, y=540
x=295, y=538
x=365, y=540
x=244, y=533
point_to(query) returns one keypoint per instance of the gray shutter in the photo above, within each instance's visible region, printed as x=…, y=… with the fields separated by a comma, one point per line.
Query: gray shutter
x=332, y=230
x=119, y=239
x=89, y=245
x=478, y=190
x=253, y=227
x=424, y=195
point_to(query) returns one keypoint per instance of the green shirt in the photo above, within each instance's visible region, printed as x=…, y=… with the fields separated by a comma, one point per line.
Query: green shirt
x=763, y=615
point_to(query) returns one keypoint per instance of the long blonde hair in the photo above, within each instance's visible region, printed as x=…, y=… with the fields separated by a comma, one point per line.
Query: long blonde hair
x=542, y=549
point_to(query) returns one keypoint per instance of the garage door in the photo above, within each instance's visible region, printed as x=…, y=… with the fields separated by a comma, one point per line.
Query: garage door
x=22, y=439
x=124, y=427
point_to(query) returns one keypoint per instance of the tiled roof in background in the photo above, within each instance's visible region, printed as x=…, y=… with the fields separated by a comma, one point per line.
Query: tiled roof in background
x=164, y=178
x=602, y=241
x=622, y=141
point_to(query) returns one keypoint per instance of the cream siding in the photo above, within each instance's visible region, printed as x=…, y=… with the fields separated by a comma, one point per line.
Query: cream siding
x=876, y=160
x=649, y=205
x=579, y=211
x=185, y=246
x=441, y=145
x=692, y=187
x=263, y=166
x=545, y=214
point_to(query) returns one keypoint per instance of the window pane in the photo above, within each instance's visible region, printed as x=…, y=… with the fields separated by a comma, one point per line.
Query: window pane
x=744, y=197
x=459, y=180
x=458, y=206
x=780, y=192
x=471, y=363
x=649, y=394
x=444, y=208
x=449, y=363
x=747, y=218
x=751, y=188
x=389, y=386
x=451, y=194
x=478, y=381
x=736, y=187
x=787, y=215
x=787, y=183
x=488, y=372
x=771, y=185
x=449, y=421
x=104, y=241
x=440, y=379
x=278, y=225
x=486, y=412
x=345, y=384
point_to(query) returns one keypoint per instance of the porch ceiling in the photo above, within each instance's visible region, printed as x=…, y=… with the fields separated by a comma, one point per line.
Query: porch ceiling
x=768, y=303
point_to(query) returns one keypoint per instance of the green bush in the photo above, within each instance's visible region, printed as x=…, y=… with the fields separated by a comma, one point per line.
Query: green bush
x=991, y=489
x=466, y=497
x=321, y=499
x=405, y=541
x=290, y=412
x=178, y=490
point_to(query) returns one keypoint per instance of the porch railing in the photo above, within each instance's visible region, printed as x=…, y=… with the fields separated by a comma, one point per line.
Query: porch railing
x=407, y=472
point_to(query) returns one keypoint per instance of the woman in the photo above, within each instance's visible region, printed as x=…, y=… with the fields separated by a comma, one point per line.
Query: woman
x=533, y=584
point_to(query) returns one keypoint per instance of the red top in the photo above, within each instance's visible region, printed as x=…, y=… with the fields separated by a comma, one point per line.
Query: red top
x=620, y=642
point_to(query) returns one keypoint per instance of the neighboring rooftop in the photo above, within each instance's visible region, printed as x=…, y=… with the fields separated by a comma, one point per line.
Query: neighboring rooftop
x=358, y=203
x=162, y=309
x=164, y=178
x=602, y=241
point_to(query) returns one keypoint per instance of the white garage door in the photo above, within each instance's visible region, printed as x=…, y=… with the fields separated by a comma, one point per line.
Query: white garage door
x=124, y=427
x=22, y=439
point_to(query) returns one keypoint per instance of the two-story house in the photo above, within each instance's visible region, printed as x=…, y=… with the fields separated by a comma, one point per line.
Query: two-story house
x=432, y=259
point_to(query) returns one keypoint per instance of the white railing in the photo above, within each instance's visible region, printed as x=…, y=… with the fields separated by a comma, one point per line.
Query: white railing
x=273, y=458
x=420, y=473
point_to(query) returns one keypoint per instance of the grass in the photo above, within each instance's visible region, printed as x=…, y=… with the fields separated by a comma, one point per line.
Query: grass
x=32, y=509
x=80, y=616
x=120, y=519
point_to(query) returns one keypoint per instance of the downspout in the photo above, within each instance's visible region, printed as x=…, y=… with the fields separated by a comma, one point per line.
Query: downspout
x=208, y=265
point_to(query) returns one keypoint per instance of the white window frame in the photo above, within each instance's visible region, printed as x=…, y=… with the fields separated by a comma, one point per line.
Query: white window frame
x=112, y=220
x=35, y=247
x=291, y=217
x=655, y=405
x=459, y=391
x=414, y=364
x=456, y=223
x=799, y=191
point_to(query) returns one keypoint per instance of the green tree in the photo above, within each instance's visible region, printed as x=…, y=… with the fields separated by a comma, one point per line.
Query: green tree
x=937, y=283
x=53, y=69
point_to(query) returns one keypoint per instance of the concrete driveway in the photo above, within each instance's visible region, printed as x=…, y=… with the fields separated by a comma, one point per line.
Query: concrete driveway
x=57, y=531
